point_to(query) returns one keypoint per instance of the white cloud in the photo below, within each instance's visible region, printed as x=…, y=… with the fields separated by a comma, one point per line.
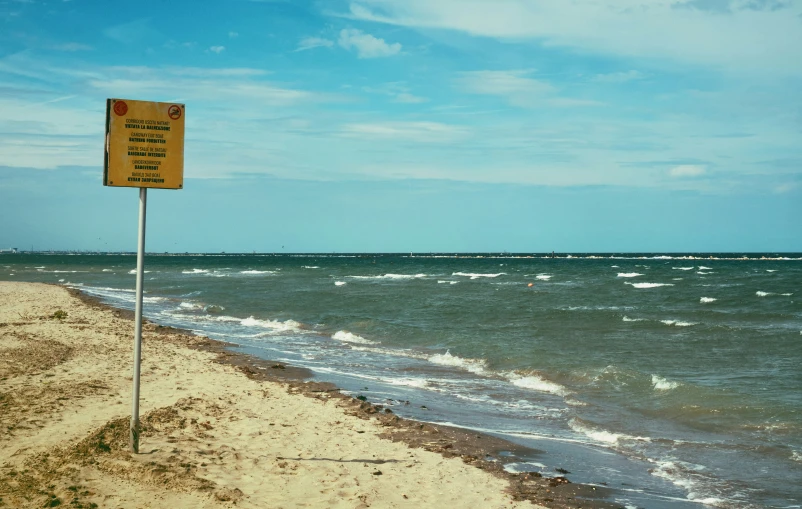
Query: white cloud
x=366, y=45
x=133, y=32
x=217, y=49
x=514, y=86
x=398, y=91
x=406, y=97
x=687, y=170
x=233, y=35
x=619, y=77
x=743, y=38
x=72, y=46
x=424, y=132
x=785, y=188
x=567, y=102
x=313, y=42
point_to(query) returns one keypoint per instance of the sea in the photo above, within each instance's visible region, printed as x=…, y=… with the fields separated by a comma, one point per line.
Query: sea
x=675, y=380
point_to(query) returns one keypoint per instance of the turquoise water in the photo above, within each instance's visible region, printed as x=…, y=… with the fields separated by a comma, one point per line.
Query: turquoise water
x=675, y=379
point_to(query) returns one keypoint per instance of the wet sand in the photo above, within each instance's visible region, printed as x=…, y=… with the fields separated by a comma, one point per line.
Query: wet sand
x=219, y=428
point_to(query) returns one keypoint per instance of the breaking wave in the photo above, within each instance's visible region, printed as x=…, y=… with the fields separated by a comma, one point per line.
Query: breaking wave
x=390, y=276
x=477, y=276
x=677, y=323
x=537, y=383
x=348, y=337
x=661, y=384
x=649, y=285
x=476, y=366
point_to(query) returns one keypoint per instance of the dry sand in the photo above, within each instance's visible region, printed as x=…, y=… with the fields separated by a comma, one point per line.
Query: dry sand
x=213, y=436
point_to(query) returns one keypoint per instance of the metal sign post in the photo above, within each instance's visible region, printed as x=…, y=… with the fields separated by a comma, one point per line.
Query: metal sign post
x=144, y=148
x=133, y=436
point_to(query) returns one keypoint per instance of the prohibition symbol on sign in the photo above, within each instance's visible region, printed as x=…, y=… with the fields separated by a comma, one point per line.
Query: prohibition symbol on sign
x=174, y=112
x=120, y=108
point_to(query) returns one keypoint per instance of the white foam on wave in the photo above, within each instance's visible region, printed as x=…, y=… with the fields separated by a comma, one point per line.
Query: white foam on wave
x=476, y=275
x=518, y=468
x=763, y=294
x=310, y=267
x=419, y=383
x=542, y=277
x=604, y=436
x=648, y=285
x=771, y=270
x=133, y=271
x=390, y=276
x=629, y=274
x=661, y=384
x=339, y=283
x=273, y=325
x=704, y=273
x=683, y=268
x=396, y=352
x=627, y=319
x=614, y=266
x=677, y=323
x=195, y=271
x=349, y=337
x=106, y=270
x=190, y=305
x=796, y=456
x=106, y=289
x=686, y=476
x=702, y=267
x=707, y=300
x=536, y=383
x=476, y=366
x=257, y=272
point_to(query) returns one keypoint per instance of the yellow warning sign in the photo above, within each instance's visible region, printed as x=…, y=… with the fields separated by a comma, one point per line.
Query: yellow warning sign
x=144, y=144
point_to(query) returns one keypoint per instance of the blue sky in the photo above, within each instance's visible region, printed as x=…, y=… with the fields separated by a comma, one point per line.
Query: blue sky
x=413, y=125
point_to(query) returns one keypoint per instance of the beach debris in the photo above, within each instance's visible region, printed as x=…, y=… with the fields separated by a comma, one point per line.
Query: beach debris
x=228, y=494
x=53, y=501
x=556, y=481
x=59, y=315
x=562, y=470
x=377, y=472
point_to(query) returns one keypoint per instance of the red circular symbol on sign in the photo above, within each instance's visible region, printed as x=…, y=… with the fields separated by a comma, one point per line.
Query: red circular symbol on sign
x=120, y=108
x=174, y=112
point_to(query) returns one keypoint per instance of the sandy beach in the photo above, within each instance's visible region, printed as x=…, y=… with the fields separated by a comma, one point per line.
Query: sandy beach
x=218, y=428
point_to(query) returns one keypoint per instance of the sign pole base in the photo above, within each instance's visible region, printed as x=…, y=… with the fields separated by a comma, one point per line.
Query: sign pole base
x=133, y=436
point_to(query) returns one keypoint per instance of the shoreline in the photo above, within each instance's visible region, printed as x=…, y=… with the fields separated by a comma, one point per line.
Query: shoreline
x=477, y=451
